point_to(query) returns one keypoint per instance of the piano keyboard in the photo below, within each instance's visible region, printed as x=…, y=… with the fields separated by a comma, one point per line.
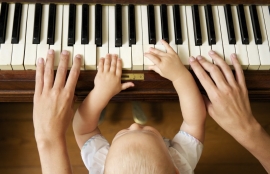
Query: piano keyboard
x=27, y=31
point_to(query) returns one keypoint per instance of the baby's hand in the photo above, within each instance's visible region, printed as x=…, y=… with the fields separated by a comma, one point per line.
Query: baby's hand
x=108, y=78
x=168, y=64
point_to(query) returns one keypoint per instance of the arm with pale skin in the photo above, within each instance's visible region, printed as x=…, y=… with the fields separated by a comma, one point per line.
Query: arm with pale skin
x=51, y=118
x=229, y=106
x=169, y=65
x=107, y=84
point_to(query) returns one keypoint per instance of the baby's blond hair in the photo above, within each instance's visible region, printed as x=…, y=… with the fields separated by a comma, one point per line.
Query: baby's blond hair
x=138, y=159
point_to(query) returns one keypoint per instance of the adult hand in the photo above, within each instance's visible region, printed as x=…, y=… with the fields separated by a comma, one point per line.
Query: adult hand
x=53, y=99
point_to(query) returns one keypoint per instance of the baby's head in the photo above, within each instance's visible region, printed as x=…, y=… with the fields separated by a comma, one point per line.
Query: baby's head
x=139, y=149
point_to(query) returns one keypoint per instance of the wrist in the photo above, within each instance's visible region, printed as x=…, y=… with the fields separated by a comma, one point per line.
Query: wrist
x=45, y=144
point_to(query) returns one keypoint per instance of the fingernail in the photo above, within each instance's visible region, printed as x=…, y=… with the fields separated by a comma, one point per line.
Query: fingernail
x=50, y=51
x=191, y=59
x=40, y=60
x=65, y=52
x=234, y=55
x=199, y=57
x=78, y=56
x=211, y=52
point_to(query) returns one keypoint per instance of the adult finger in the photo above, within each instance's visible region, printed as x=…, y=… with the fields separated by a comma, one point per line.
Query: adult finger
x=113, y=63
x=153, y=58
x=62, y=70
x=239, y=74
x=214, y=71
x=127, y=85
x=167, y=46
x=226, y=70
x=107, y=63
x=39, y=82
x=203, y=77
x=49, y=70
x=74, y=74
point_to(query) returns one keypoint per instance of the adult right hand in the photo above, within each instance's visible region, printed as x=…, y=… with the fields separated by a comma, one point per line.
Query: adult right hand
x=229, y=106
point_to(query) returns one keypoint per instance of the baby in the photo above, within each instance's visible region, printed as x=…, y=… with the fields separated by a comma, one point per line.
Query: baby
x=141, y=149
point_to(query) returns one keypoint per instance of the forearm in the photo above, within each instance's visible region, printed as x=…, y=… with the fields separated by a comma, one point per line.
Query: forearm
x=254, y=138
x=54, y=157
x=87, y=116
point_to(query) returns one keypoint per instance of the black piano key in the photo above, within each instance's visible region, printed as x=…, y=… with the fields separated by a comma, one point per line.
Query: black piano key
x=131, y=25
x=71, y=24
x=37, y=23
x=229, y=23
x=3, y=21
x=151, y=24
x=85, y=24
x=118, y=25
x=51, y=24
x=164, y=22
x=98, y=25
x=177, y=25
x=242, y=24
x=255, y=24
x=16, y=24
x=196, y=25
x=210, y=25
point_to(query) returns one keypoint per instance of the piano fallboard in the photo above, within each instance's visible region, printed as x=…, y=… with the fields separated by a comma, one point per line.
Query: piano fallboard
x=18, y=86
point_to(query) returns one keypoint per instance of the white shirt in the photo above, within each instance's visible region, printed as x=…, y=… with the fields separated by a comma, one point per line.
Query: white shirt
x=185, y=151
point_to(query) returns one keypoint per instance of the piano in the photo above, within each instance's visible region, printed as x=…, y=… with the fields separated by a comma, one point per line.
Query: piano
x=128, y=28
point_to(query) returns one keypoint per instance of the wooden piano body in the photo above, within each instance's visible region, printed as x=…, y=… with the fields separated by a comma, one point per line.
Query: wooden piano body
x=18, y=86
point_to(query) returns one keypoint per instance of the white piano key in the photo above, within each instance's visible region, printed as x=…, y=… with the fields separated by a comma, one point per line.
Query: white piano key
x=17, y=57
x=6, y=51
x=137, y=49
x=5, y=57
x=266, y=17
x=264, y=50
x=205, y=47
x=58, y=35
x=171, y=28
x=79, y=49
x=241, y=50
x=158, y=44
x=193, y=50
x=252, y=49
x=112, y=48
x=43, y=47
x=125, y=50
x=145, y=37
x=90, y=57
x=90, y=53
x=183, y=50
x=65, y=35
x=103, y=50
x=30, y=49
x=228, y=50
x=218, y=47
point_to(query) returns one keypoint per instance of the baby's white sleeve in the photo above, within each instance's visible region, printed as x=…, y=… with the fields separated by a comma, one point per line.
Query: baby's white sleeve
x=185, y=151
x=94, y=153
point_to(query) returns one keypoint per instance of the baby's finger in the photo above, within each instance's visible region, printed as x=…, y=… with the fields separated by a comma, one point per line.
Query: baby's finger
x=49, y=70
x=107, y=63
x=227, y=72
x=154, y=68
x=167, y=46
x=153, y=58
x=239, y=74
x=39, y=77
x=127, y=85
x=119, y=67
x=157, y=52
x=101, y=64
